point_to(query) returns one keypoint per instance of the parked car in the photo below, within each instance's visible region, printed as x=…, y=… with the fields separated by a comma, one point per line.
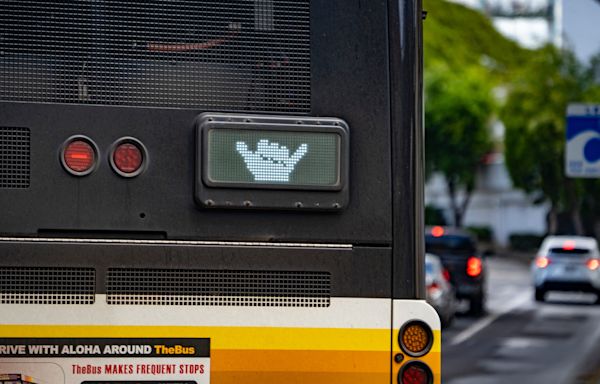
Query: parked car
x=567, y=263
x=457, y=250
x=440, y=292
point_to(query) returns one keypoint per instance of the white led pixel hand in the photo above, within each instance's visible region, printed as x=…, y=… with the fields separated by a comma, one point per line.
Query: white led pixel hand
x=270, y=161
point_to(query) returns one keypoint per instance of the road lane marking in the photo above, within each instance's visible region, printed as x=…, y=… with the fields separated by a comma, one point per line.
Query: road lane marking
x=489, y=319
x=523, y=343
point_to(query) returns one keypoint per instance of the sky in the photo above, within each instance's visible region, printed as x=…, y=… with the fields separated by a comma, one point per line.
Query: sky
x=581, y=23
x=530, y=32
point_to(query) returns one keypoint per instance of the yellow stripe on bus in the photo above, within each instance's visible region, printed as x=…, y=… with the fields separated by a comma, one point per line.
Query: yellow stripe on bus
x=275, y=338
x=300, y=361
x=266, y=338
x=293, y=377
x=268, y=355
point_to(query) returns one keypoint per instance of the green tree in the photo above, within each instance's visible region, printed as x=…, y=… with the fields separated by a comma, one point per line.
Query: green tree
x=460, y=37
x=458, y=107
x=534, y=116
x=465, y=58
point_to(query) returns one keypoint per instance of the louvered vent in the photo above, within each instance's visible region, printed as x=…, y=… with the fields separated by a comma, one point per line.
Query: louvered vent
x=234, y=55
x=41, y=285
x=225, y=288
x=14, y=157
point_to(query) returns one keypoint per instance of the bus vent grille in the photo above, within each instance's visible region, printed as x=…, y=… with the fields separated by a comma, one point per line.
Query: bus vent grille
x=41, y=285
x=14, y=157
x=131, y=286
x=234, y=55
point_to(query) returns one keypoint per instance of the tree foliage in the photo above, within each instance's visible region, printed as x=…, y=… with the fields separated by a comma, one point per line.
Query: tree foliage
x=534, y=116
x=458, y=38
x=457, y=111
x=464, y=58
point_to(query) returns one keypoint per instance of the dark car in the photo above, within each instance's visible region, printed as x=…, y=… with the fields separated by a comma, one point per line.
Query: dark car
x=457, y=250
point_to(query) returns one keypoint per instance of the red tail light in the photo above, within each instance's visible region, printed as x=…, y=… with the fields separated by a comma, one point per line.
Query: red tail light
x=446, y=274
x=437, y=231
x=79, y=156
x=542, y=262
x=415, y=373
x=128, y=157
x=433, y=287
x=593, y=264
x=474, y=266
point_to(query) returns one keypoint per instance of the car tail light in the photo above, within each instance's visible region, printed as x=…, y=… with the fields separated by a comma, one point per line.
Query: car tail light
x=433, y=287
x=128, y=157
x=593, y=264
x=474, y=266
x=437, y=231
x=415, y=338
x=542, y=262
x=446, y=274
x=79, y=155
x=569, y=245
x=415, y=372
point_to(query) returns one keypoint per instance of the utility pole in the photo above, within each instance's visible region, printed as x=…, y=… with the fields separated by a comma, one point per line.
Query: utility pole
x=557, y=24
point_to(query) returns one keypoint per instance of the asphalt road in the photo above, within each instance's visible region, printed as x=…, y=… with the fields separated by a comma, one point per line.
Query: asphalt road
x=521, y=341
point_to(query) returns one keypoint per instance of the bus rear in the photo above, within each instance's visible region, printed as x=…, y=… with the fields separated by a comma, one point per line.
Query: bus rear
x=212, y=192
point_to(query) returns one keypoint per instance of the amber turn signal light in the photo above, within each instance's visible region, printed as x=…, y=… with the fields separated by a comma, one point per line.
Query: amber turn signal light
x=415, y=338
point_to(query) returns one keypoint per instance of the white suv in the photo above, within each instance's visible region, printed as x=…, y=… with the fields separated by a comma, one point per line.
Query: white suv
x=567, y=263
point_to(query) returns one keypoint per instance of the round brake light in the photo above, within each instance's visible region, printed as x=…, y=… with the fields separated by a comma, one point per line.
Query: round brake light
x=128, y=157
x=415, y=373
x=79, y=156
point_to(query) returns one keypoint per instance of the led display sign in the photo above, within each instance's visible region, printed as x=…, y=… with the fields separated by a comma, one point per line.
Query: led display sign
x=274, y=159
x=271, y=162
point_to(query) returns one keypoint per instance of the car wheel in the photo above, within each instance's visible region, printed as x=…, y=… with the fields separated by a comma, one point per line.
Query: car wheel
x=540, y=295
x=476, y=306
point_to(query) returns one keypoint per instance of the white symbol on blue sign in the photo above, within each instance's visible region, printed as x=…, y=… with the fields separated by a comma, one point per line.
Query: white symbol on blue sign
x=583, y=141
x=270, y=162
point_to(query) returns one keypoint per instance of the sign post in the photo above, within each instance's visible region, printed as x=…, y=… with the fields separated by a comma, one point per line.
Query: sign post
x=582, y=155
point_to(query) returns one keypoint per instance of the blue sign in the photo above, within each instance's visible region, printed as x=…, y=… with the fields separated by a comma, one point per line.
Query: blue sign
x=582, y=157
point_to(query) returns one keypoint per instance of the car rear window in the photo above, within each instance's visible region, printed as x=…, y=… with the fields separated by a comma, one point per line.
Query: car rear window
x=449, y=243
x=562, y=251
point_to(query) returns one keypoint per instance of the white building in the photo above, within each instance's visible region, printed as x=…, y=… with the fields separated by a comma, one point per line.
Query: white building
x=494, y=204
